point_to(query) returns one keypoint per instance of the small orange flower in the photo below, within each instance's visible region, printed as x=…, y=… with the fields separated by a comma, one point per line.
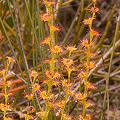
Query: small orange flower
x=71, y=48
x=85, y=43
x=90, y=86
x=61, y=104
x=36, y=86
x=66, y=84
x=67, y=117
x=3, y=71
x=67, y=62
x=41, y=114
x=45, y=96
x=11, y=59
x=87, y=117
x=80, y=96
x=34, y=73
x=46, y=41
x=29, y=97
x=95, y=33
x=91, y=65
x=48, y=74
x=55, y=28
x=5, y=107
x=56, y=49
x=88, y=104
x=50, y=82
x=87, y=21
x=30, y=109
x=82, y=74
x=9, y=83
x=94, y=9
x=29, y=117
x=46, y=17
x=52, y=105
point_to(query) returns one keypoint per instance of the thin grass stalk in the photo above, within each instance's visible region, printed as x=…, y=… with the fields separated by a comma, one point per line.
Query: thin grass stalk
x=109, y=70
x=1, y=54
x=19, y=11
x=34, y=31
x=12, y=49
x=106, y=30
x=22, y=55
x=4, y=11
x=40, y=32
x=9, y=28
x=79, y=20
x=80, y=30
x=71, y=26
x=1, y=7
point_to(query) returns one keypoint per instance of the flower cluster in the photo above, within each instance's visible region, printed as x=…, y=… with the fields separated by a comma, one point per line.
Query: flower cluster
x=87, y=44
x=4, y=106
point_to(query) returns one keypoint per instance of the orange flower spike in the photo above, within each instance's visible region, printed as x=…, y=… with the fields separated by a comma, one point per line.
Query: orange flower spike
x=30, y=109
x=67, y=62
x=88, y=21
x=46, y=17
x=46, y=41
x=56, y=49
x=94, y=9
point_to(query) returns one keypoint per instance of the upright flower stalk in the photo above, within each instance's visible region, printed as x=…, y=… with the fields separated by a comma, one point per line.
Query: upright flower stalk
x=88, y=44
x=67, y=83
x=5, y=107
x=54, y=49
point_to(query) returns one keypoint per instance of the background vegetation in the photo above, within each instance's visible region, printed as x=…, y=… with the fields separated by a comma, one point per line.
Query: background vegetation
x=59, y=60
